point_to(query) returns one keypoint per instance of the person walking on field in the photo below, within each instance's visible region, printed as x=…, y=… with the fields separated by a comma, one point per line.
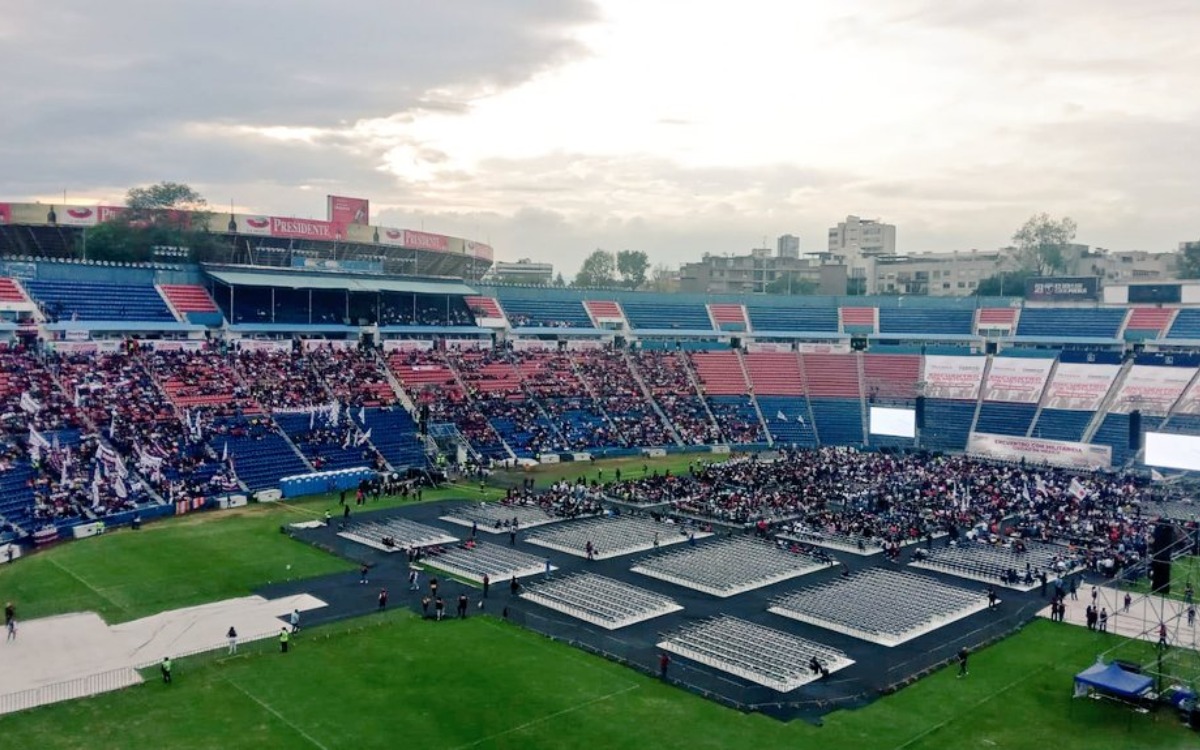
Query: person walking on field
x=232, y=636
x=295, y=621
x=383, y=599
x=962, y=661
x=166, y=670
x=284, y=637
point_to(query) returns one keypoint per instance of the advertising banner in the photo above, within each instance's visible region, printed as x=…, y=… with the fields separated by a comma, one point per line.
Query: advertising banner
x=176, y=346
x=767, y=346
x=1151, y=390
x=1191, y=400
x=468, y=344
x=479, y=250
x=342, y=210
x=304, y=229
x=407, y=345
x=584, y=346
x=1017, y=380
x=335, y=345
x=810, y=348
x=256, y=225
x=953, y=377
x=1077, y=386
x=5, y=213
x=391, y=237
x=259, y=345
x=1062, y=288
x=86, y=347
x=1034, y=450
x=108, y=213
x=533, y=345
x=425, y=241
x=77, y=216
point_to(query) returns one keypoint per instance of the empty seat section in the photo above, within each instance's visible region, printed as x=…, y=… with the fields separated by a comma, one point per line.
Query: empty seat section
x=807, y=319
x=788, y=420
x=603, y=311
x=858, y=319
x=1186, y=325
x=552, y=313
x=891, y=376
x=1072, y=322
x=720, y=373
x=728, y=317
x=1148, y=322
x=910, y=320
x=10, y=292
x=839, y=420
x=737, y=419
x=394, y=434
x=1061, y=424
x=663, y=314
x=832, y=375
x=775, y=373
x=79, y=300
x=947, y=424
x=1114, y=432
x=261, y=456
x=994, y=318
x=327, y=447
x=1005, y=419
x=484, y=307
x=16, y=494
x=193, y=302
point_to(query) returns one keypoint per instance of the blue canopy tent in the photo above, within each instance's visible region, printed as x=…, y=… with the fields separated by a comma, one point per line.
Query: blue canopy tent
x=1113, y=681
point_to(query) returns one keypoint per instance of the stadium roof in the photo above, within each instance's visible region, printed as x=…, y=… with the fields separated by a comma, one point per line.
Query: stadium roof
x=124, y=325
x=1052, y=340
x=338, y=282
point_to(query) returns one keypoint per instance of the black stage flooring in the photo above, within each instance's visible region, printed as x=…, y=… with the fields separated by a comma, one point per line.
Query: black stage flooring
x=878, y=670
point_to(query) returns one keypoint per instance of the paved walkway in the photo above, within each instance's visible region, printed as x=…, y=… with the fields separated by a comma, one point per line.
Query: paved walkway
x=1141, y=621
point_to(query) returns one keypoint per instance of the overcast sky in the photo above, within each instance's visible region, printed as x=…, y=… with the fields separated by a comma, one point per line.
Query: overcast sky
x=677, y=127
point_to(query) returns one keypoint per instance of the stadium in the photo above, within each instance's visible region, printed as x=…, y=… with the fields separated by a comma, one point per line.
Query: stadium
x=742, y=521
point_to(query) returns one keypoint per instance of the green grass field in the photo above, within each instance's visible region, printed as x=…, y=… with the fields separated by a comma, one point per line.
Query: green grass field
x=1183, y=571
x=397, y=680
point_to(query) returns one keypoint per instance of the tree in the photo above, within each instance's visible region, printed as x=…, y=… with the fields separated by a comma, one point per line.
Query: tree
x=1189, y=260
x=598, y=269
x=165, y=195
x=558, y=279
x=167, y=215
x=1041, y=241
x=663, y=278
x=788, y=282
x=632, y=265
x=1005, y=284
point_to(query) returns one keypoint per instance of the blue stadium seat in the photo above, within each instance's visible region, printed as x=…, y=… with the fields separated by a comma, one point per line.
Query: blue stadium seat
x=916, y=320
x=795, y=427
x=1071, y=322
x=81, y=300
x=1114, y=432
x=545, y=312
x=1061, y=424
x=947, y=424
x=394, y=434
x=1186, y=325
x=662, y=314
x=815, y=319
x=839, y=420
x=1000, y=418
x=326, y=452
x=16, y=496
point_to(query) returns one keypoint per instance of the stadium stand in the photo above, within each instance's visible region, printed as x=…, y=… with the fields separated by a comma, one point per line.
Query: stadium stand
x=1186, y=325
x=799, y=319
x=193, y=303
x=656, y=315
x=1103, y=323
x=10, y=292
x=834, y=390
x=79, y=300
x=545, y=313
x=600, y=601
x=728, y=317
x=858, y=319
x=1148, y=322
x=915, y=320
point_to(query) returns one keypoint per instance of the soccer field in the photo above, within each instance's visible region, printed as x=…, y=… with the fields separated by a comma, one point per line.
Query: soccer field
x=397, y=681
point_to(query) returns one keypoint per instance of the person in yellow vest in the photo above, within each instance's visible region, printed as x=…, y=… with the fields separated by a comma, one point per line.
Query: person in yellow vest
x=284, y=637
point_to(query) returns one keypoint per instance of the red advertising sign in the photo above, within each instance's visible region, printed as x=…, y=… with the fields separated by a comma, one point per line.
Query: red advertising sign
x=77, y=216
x=425, y=241
x=345, y=211
x=260, y=225
x=5, y=213
x=479, y=250
x=305, y=229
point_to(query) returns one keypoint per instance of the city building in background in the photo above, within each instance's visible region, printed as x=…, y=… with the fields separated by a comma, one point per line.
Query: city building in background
x=524, y=271
x=954, y=274
x=788, y=246
x=760, y=272
x=855, y=240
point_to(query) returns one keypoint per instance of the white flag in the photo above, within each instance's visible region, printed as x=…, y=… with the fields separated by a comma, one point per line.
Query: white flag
x=28, y=404
x=312, y=419
x=781, y=416
x=225, y=452
x=120, y=488
x=363, y=437
x=362, y=415
x=36, y=439
x=1156, y=475
x=95, y=496
x=1077, y=489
